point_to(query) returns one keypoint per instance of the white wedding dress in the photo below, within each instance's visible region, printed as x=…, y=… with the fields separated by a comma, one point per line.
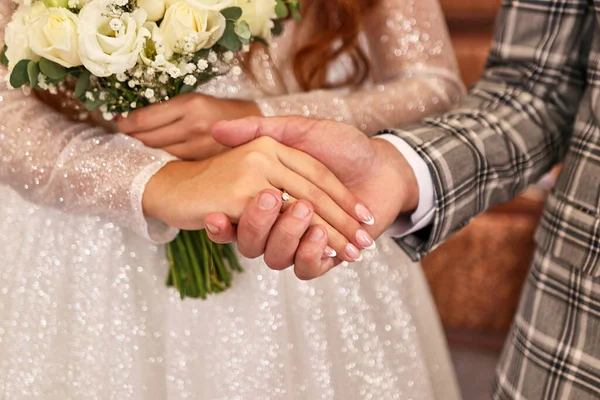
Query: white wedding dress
x=84, y=311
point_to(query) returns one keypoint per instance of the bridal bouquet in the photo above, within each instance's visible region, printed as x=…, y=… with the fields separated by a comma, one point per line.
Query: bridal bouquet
x=120, y=55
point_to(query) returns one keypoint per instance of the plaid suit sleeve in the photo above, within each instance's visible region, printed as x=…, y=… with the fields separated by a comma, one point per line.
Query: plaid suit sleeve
x=515, y=123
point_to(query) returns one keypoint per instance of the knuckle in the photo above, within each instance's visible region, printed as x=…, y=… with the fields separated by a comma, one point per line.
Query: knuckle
x=304, y=258
x=136, y=118
x=315, y=194
x=251, y=227
x=289, y=232
x=195, y=100
x=275, y=262
x=322, y=171
x=255, y=159
x=248, y=252
x=198, y=126
x=306, y=272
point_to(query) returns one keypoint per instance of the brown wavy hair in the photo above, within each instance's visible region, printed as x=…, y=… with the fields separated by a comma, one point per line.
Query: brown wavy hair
x=338, y=21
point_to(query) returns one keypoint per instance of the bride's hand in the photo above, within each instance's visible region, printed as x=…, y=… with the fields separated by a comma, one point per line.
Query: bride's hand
x=182, y=193
x=181, y=126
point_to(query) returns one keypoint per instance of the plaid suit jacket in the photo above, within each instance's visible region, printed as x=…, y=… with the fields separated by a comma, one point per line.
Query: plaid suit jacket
x=538, y=104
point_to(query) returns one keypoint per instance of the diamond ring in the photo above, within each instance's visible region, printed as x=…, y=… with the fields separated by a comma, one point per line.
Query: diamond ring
x=285, y=196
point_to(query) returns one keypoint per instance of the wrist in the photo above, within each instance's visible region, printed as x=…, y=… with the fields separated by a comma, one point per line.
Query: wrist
x=401, y=176
x=245, y=108
x=160, y=193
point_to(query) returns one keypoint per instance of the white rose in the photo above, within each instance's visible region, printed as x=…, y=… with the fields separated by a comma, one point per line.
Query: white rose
x=216, y=5
x=105, y=51
x=188, y=27
x=53, y=34
x=155, y=54
x=259, y=14
x=82, y=3
x=154, y=8
x=16, y=38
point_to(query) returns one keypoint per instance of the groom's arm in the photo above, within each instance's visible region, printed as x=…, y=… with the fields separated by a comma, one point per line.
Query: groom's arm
x=516, y=122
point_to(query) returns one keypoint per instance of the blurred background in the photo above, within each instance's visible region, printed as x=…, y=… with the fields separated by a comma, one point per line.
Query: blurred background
x=476, y=276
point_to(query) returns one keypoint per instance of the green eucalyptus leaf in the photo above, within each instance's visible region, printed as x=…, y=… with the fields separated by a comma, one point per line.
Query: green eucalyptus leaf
x=232, y=13
x=52, y=70
x=33, y=71
x=19, y=76
x=277, y=28
x=92, y=105
x=186, y=89
x=242, y=29
x=281, y=10
x=296, y=13
x=230, y=39
x=3, y=58
x=83, y=82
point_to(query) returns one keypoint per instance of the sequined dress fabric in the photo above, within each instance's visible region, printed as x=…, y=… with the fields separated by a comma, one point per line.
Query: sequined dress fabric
x=84, y=311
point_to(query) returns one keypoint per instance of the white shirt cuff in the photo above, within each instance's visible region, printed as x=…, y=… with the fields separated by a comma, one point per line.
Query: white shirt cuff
x=425, y=211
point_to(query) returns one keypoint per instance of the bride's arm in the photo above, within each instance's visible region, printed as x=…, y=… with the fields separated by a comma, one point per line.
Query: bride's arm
x=413, y=65
x=73, y=167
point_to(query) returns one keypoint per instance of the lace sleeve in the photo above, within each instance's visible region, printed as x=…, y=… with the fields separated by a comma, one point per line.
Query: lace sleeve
x=54, y=162
x=413, y=66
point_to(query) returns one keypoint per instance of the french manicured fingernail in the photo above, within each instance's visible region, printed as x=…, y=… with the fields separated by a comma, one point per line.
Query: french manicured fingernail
x=267, y=202
x=300, y=210
x=212, y=229
x=329, y=252
x=353, y=252
x=364, y=215
x=365, y=240
x=316, y=234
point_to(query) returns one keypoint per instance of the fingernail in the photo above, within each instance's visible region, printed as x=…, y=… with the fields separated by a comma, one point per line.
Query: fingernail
x=212, y=229
x=267, y=202
x=364, y=215
x=300, y=210
x=316, y=234
x=353, y=252
x=329, y=252
x=365, y=240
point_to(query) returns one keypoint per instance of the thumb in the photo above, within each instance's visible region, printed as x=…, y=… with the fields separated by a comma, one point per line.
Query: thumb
x=286, y=130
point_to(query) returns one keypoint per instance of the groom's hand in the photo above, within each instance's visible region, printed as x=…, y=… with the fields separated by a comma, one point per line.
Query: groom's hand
x=373, y=169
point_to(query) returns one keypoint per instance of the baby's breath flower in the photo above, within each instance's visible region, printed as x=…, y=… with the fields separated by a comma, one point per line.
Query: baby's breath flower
x=190, y=80
x=149, y=93
x=202, y=64
x=190, y=68
x=174, y=72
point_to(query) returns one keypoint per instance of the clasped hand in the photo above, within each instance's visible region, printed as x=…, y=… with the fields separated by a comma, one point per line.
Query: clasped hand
x=350, y=188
